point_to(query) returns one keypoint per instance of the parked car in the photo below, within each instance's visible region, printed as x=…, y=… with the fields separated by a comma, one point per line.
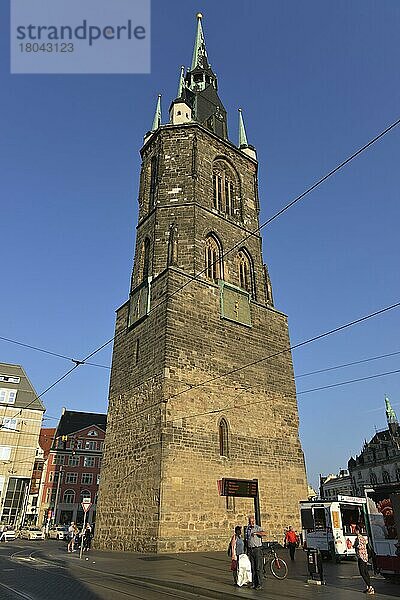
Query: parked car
x=7, y=535
x=58, y=532
x=31, y=533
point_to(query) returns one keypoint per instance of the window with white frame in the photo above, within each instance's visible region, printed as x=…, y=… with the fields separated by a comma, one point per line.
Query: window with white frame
x=90, y=445
x=93, y=432
x=89, y=461
x=5, y=452
x=54, y=476
x=69, y=497
x=98, y=480
x=73, y=461
x=71, y=477
x=7, y=396
x=58, y=459
x=87, y=478
x=51, y=495
x=9, y=424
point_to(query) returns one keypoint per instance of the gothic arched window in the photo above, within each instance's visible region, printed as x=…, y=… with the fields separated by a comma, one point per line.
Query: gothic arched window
x=373, y=479
x=212, y=259
x=153, y=181
x=223, y=438
x=69, y=497
x=385, y=477
x=245, y=272
x=146, y=258
x=224, y=188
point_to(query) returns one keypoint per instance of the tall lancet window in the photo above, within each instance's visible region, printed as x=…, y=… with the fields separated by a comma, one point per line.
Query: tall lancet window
x=245, y=272
x=223, y=188
x=212, y=259
x=223, y=438
x=153, y=181
x=146, y=258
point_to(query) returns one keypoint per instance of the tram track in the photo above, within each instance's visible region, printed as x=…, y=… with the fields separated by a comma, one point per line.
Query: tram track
x=42, y=565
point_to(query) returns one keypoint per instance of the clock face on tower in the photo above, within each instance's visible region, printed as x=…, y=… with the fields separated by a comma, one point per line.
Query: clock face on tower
x=235, y=304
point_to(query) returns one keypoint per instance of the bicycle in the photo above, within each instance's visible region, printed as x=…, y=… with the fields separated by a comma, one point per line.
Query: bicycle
x=277, y=565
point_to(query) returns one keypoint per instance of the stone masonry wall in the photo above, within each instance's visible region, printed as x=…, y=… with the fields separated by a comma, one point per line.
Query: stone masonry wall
x=169, y=386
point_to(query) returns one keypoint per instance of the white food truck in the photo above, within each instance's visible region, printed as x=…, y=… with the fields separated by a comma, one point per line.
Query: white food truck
x=329, y=525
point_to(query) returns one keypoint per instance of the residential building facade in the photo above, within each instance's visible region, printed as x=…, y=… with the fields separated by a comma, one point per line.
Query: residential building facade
x=73, y=468
x=336, y=485
x=21, y=413
x=39, y=469
x=202, y=385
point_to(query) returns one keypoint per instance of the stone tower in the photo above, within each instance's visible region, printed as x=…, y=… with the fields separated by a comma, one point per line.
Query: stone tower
x=202, y=386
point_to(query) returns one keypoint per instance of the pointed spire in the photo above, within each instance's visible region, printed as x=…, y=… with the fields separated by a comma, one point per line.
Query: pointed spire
x=242, y=131
x=199, y=50
x=157, y=116
x=181, y=85
x=390, y=414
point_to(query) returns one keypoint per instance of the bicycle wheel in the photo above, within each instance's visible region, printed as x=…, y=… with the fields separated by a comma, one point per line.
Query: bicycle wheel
x=278, y=568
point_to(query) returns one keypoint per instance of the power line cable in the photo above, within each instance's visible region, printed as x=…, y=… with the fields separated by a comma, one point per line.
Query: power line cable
x=276, y=215
x=265, y=358
x=350, y=364
x=11, y=341
x=340, y=383
x=287, y=206
x=290, y=348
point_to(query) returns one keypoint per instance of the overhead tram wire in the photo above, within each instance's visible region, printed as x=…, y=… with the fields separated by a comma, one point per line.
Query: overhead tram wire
x=232, y=407
x=350, y=364
x=290, y=348
x=275, y=216
x=325, y=387
x=265, y=358
x=49, y=352
x=287, y=206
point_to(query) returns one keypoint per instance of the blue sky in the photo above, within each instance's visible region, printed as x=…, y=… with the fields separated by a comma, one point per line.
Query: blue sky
x=316, y=80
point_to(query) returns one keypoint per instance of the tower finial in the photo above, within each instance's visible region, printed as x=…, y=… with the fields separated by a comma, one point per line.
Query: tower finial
x=181, y=85
x=242, y=131
x=157, y=115
x=390, y=414
x=199, y=50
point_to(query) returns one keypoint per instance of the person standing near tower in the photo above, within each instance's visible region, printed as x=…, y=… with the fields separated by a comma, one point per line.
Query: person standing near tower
x=361, y=547
x=254, y=534
x=291, y=541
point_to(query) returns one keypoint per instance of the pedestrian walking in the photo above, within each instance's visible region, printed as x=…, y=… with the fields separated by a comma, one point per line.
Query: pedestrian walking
x=72, y=531
x=362, y=550
x=236, y=549
x=291, y=541
x=87, y=538
x=254, y=549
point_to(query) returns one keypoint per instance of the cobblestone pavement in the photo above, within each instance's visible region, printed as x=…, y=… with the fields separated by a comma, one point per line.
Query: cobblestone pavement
x=44, y=571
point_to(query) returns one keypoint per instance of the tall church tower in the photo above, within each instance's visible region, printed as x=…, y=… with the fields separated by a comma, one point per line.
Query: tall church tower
x=202, y=384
